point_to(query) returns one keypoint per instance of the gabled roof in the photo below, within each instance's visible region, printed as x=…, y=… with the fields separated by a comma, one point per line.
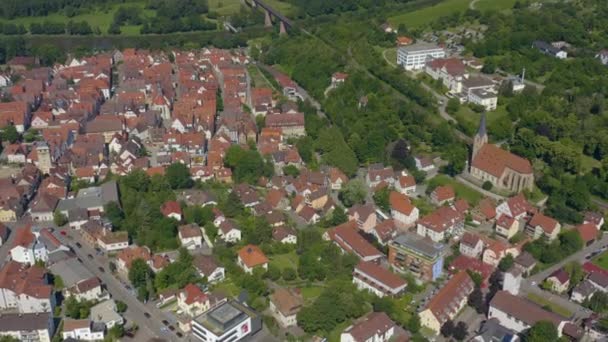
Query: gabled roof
x=494, y=160
x=561, y=275
x=547, y=223
x=587, y=231
x=401, y=203
x=380, y=274
x=523, y=310
x=442, y=304
x=347, y=237
x=252, y=256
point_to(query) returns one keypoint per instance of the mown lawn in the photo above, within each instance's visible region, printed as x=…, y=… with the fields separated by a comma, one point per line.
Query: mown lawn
x=498, y=5
x=283, y=261
x=540, y=300
x=311, y=293
x=100, y=17
x=469, y=119
x=228, y=7
x=228, y=287
x=462, y=191
x=429, y=14
x=601, y=260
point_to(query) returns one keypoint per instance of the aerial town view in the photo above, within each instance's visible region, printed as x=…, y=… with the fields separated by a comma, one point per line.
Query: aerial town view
x=304, y=170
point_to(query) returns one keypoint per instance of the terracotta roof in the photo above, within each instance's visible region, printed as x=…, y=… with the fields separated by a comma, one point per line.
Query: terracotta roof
x=458, y=287
x=547, y=223
x=505, y=221
x=73, y=324
x=407, y=181
x=400, y=203
x=252, y=256
x=24, y=237
x=386, y=229
x=347, y=237
x=443, y=193
x=494, y=160
x=461, y=205
x=519, y=205
x=193, y=294
x=523, y=309
x=380, y=274
x=288, y=302
x=274, y=197
x=441, y=219
x=25, y=280
x=587, y=231
x=128, y=255
x=171, y=207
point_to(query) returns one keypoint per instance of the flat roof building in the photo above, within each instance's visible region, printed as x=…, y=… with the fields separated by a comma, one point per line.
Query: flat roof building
x=413, y=57
x=231, y=321
x=418, y=255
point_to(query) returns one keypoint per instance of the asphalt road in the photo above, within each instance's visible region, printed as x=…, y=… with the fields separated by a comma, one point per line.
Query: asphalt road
x=148, y=327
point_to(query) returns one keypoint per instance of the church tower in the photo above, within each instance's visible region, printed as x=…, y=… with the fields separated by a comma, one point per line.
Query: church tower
x=481, y=138
x=44, y=157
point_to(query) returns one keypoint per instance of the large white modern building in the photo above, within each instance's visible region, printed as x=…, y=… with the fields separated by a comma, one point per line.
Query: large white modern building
x=231, y=321
x=414, y=57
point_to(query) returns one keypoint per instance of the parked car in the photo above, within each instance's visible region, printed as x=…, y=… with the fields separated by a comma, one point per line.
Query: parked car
x=63, y=232
x=147, y=315
x=78, y=245
x=101, y=269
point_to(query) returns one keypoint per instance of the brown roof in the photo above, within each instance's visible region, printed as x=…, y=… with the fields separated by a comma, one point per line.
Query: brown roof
x=454, y=290
x=287, y=301
x=407, y=181
x=73, y=324
x=252, y=256
x=88, y=284
x=380, y=274
x=25, y=280
x=400, y=203
x=523, y=309
x=494, y=160
x=547, y=223
x=444, y=192
x=190, y=231
x=347, y=237
x=279, y=233
x=374, y=323
x=587, y=231
x=470, y=239
x=205, y=264
x=505, y=221
x=561, y=275
x=453, y=66
x=441, y=219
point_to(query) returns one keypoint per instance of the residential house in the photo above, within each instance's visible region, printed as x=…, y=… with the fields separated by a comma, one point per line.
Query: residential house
x=349, y=240
x=337, y=179
x=190, y=236
x=594, y=218
x=471, y=245
x=519, y=314
x=424, y=163
x=229, y=232
x=549, y=49
x=516, y=207
x=506, y=226
x=82, y=330
x=442, y=195
x=283, y=234
x=34, y=244
x=385, y=231
x=406, y=185
x=27, y=327
x=208, y=267
x=439, y=224
x=446, y=304
x=285, y=305
x=402, y=210
x=492, y=331
x=496, y=251
x=588, y=233
x=559, y=281
x=172, y=209
x=250, y=257
x=377, y=173
x=106, y=313
x=376, y=327
x=377, y=280
x=364, y=215
x=25, y=289
x=192, y=301
x=43, y=207
x=525, y=262
x=543, y=226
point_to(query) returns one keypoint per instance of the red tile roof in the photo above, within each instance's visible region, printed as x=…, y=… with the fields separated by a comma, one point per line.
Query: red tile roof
x=252, y=256
x=400, y=203
x=171, y=207
x=444, y=193
x=587, y=231
x=444, y=302
x=441, y=219
x=494, y=160
x=547, y=223
x=347, y=237
x=194, y=294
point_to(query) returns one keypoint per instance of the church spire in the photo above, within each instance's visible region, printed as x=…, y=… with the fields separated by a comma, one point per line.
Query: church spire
x=482, y=125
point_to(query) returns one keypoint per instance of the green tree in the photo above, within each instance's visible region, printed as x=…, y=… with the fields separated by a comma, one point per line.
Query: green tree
x=542, y=331
x=413, y=324
x=447, y=329
x=121, y=306
x=598, y=302
x=487, y=185
x=58, y=283
x=178, y=176
x=506, y=263
x=460, y=331
x=353, y=192
x=10, y=134
x=575, y=270
x=247, y=165
x=289, y=274
x=273, y=273
x=453, y=106
x=60, y=219
x=139, y=273
x=291, y=170
x=476, y=300
x=381, y=198
x=211, y=230
x=338, y=216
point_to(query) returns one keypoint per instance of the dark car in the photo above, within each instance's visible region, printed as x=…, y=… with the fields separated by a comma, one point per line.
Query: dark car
x=172, y=328
x=78, y=245
x=165, y=322
x=101, y=269
x=179, y=334
x=147, y=315
x=79, y=260
x=90, y=256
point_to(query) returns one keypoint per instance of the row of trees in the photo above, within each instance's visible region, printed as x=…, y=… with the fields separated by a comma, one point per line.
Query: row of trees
x=80, y=28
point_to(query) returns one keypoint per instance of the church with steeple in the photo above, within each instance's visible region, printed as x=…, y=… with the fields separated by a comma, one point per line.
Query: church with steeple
x=505, y=170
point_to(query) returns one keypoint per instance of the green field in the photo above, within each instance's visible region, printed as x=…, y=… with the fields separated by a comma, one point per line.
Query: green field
x=462, y=191
x=540, y=300
x=601, y=260
x=101, y=17
x=469, y=119
x=486, y=5
x=429, y=14
x=228, y=7
x=285, y=260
